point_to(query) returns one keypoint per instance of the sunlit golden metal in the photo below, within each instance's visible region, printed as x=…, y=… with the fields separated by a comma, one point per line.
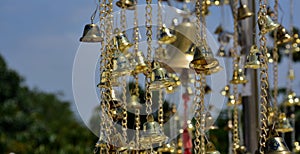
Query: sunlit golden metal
x=91, y=34
x=253, y=59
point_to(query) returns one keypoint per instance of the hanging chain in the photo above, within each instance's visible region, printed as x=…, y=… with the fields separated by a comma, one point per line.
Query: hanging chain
x=136, y=31
x=159, y=27
x=202, y=109
x=264, y=85
x=235, y=129
x=198, y=23
x=197, y=116
x=124, y=120
x=161, y=110
x=123, y=19
x=275, y=63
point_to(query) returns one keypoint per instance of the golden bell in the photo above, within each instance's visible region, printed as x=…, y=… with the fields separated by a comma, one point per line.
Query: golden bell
x=159, y=76
x=115, y=102
x=134, y=103
x=91, y=34
x=211, y=149
x=127, y=4
x=253, y=59
x=104, y=79
x=276, y=145
x=291, y=74
x=221, y=52
x=184, y=33
x=283, y=36
x=238, y=77
x=121, y=41
x=165, y=36
x=203, y=59
x=226, y=91
x=232, y=101
x=283, y=125
x=266, y=24
x=141, y=66
x=121, y=65
x=224, y=37
x=244, y=12
x=152, y=132
x=242, y=150
x=207, y=89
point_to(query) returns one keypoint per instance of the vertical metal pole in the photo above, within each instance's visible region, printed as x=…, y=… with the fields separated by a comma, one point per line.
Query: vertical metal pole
x=251, y=102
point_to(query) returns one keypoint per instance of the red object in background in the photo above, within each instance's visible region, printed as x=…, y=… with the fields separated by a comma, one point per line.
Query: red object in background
x=187, y=141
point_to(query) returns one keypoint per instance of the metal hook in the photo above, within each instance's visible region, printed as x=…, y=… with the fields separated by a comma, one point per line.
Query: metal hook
x=94, y=14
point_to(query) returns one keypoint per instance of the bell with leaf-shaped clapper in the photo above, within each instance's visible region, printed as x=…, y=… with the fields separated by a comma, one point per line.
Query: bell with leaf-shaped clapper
x=165, y=35
x=253, y=59
x=159, y=76
x=238, y=77
x=266, y=24
x=283, y=125
x=152, y=132
x=244, y=12
x=121, y=41
x=121, y=65
x=211, y=149
x=203, y=59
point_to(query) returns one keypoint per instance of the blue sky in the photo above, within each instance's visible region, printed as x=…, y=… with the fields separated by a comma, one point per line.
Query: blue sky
x=39, y=38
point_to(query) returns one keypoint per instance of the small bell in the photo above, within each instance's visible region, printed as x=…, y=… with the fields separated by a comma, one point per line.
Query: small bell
x=276, y=145
x=242, y=150
x=244, y=12
x=238, y=77
x=266, y=24
x=134, y=103
x=127, y=4
x=121, y=41
x=232, y=101
x=159, y=76
x=283, y=125
x=219, y=29
x=104, y=79
x=91, y=34
x=221, y=52
x=121, y=65
x=283, y=36
x=165, y=36
x=253, y=59
x=152, y=132
x=115, y=102
x=203, y=59
x=141, y=65
x=226, y=91
x=224, y=37
x=207, y=89
x=211, y=149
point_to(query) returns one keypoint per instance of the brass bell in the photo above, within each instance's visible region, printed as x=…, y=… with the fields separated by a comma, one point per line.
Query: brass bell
x=121, y=65
x=159, y=76
x=283, y=36
x=141, y=66
x=115, y=102
x=232, y=101
x=238, y=77
x=224, y=37
x=244, y=12
x=152, y=132
x=207, y=89
x=134, y=103
x=127, y=4
x=226, y=91
x=219, y=29
x=266, y=24
x=221, y=52
x=104, y=79
x=283, y=125
x=276, y=145
x=165, y=36
x=211, y=149
x=203, y=59
x=253, y=59
x=121, y=41
x=91, y=34
x=185, y=33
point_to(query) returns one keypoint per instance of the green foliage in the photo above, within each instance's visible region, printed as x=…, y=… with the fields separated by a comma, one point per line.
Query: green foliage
x=36, y=122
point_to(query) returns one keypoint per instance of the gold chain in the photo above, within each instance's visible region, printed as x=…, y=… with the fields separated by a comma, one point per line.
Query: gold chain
x=275, y=67
x=124, y=120
x=123, y=19
x=264, y=84
x=136, y=31
x=161, y=110
x=235, y=129
x=202, y=109
x=198, y=23
x=197, y=117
